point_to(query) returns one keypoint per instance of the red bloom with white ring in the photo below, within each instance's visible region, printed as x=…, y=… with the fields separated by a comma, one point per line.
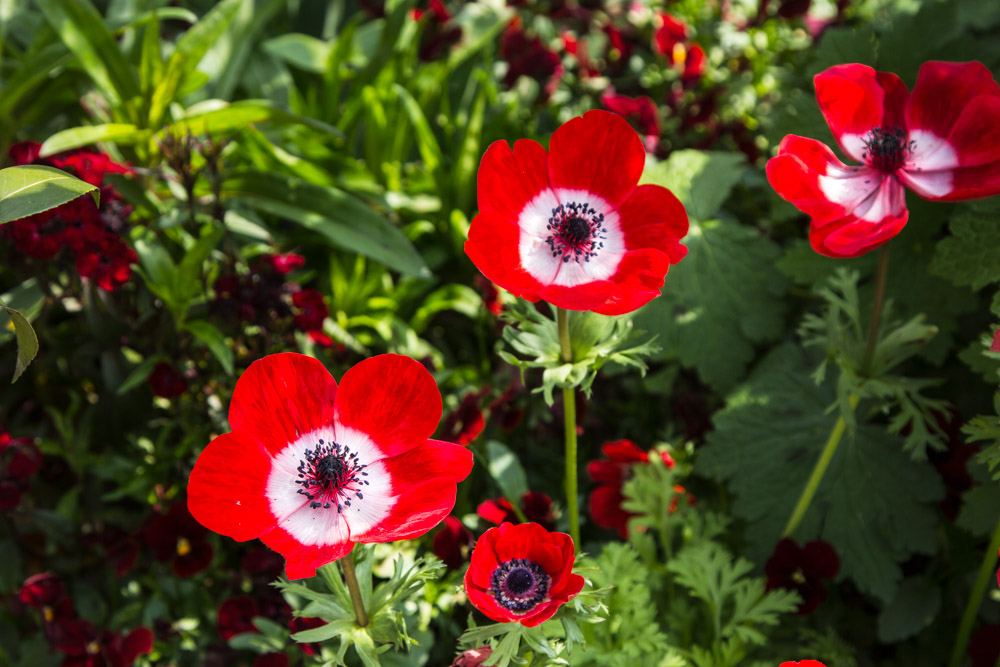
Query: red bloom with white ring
x=942, y=140
x=570, y=225
x=522, y=573
x=311, y=467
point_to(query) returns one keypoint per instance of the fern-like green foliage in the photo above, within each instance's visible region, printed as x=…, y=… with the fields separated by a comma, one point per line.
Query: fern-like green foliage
x=876, y=505
x=969, y=256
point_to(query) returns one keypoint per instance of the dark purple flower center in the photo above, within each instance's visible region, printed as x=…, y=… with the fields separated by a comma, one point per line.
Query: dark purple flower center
x=330, y=475
x=519, y=584
x=886, y=148
x=576, y=232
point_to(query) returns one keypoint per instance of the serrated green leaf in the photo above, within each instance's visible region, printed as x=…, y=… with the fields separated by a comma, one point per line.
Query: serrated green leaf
x=702, y=180
x=915, y=606
x=969, y=256
x=32, y=189
x=724, y=298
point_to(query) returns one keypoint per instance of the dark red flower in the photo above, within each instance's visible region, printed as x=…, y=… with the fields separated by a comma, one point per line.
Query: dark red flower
x=261, y=563
x=803, y=569
x=25, y=152
x=452, y=542
x=286, y=263
x=311, y=310
x=259, y=297
x=271, y=660
x=942, y=151
x=671, y=40
x=41, y=590
x=522, y=573
x=236, y=616
x=119, y=547
x=473, y=657
x=302, y=623
x=166, y=381
x=803, y=663
x=528, y=56
x=175, y=537
x=89, y=166
x=20, y=460
x=641, y=112
x=466, y=422
x=569, y=225
x=995, y=345
x=107, y=261
x=536, y=507
x=107, y=649
x=440, y=33
x=609, y=475
x=310, y=468
x=490, y=294
x=984, y=646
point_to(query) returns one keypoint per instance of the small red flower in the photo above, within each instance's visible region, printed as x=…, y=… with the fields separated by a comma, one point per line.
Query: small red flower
x=466, y=422
x=452, y=543
x=671, y=40
x=995, y=345
x=107, y=649
x=942, y=140
x=474, y=657
x=522, y=574
x=286, y=263
x=302, y=623
x=311, y=467
x=107, y=260
x=166, y=381
x=490, y=294
x=41, y=590
x=536, y=506
x=609, y=475
x=440, y=33
x=640, y=111
x=527, y=55
x=569, y=225
x=175, y=537
x=803, y=569
x=803, y=663
x=235, y=616
x=312, y=310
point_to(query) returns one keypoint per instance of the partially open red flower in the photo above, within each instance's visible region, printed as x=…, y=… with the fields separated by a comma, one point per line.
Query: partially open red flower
x=41, y=590
x=522, y=573
x=803, y=569
x=609, y=475
x=671, y=40
x=473, y=657
x=536, y=507
x=942, y=140
x=310, y=468
x=286, y=263
x=453, y=542
x=570, y=225
x=176, y=538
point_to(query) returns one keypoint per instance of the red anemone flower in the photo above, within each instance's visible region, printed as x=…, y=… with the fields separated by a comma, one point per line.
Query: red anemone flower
x=522, y=574
x=536, y=506
x=942, y=140
x=609, y=475
x=803, y=569
x=311, y=468
x=640, y=111
x=570, y=225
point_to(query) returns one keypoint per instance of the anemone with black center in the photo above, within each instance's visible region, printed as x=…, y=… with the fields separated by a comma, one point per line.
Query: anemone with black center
x=519, y=585
x=576, y=231
x=886, y=148
x=330, y=475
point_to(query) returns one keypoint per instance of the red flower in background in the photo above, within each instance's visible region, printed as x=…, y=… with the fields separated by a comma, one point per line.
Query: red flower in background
x=671, y=40
x=271, y=660
x=536, y=507
x=20, y=460
x=522, y=574
x=641, y=112
x=311, y=467
x=106, y=649
x=527, y=55
x=942, y=140
x=570, y=225
x=995, y=345
x=286, y=263
x=609, y=475
x=452, y=542
x=984, y=646
x=466, y=422
x=303, y=623
x=176, y=538
x=235, y=616
x=803, y=569
x=803, y=663
x=166, y=381
x=440, y=33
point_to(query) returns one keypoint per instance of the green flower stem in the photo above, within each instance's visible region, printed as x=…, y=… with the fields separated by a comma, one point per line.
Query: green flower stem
x=986, y=569
x=829, y=449
x=569, y=415
x=881, y=271
x=351, y=579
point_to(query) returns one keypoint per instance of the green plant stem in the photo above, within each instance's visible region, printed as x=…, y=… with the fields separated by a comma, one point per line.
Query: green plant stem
x=829, y=449
x=351, y=579
x=569, y=417
x=881, y=271
x=986, y=569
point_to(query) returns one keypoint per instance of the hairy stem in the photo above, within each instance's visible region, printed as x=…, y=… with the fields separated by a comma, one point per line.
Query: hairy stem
x=351, y=579
x=569, y=416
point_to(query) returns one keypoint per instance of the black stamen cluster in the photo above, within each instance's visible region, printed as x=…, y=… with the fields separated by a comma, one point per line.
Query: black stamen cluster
x=886, y=148
x=577, y=232
x=519, y=584
x=329, y=474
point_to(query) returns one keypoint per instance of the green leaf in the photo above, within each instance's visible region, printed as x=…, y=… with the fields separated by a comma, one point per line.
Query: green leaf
x=213, y=339
x=27, y=341
x=875, y=504
x=188, y=52
x=724, y=298
x=969, y=256
x=139, y=374
x=83, y=30
x=302, y=51
x=506, y=471
x=914, y=608
x=702, y=180
x=120, y=133
x=427, y=143
x=34, y=188
x=344, y=221
x=218, y=116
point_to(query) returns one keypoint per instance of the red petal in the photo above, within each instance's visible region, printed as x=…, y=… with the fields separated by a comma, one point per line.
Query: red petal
x=795, y=175
x=637, y=281
x=226, y=489
x=136, y=643
x=509, y=179
x=424, y=480
x=652, y=217
x=943, y=91
x=302, y=560
x=855, y=98
x=624, y=451
x=493, y=248
x=606, y=509
x=281, y=397
x=391, y=398
x=598, y=152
